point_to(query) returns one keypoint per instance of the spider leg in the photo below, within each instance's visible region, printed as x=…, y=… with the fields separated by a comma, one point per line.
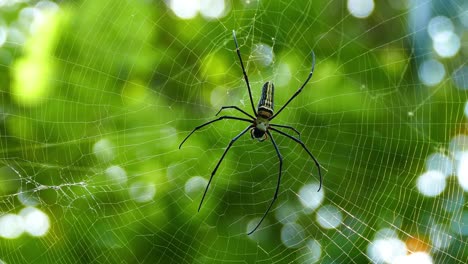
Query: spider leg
x=300, y=89
x=277, y=185
x=243, y=71
x=234, y=107
x=288, y=127
x=219, y=162
x=212, y=121
x=306, y=149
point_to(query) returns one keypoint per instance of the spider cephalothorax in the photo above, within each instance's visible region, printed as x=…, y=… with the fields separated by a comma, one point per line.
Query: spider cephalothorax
x=260, y=126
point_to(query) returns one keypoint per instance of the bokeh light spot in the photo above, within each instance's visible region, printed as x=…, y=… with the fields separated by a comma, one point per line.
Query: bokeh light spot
x=104, y=150
x=47, y=6
x=30, y=18
x=414, y=258
x=212, y=8
x=219, y=96
x=438, y=26
x=309, y=197
x=431, y=72
x=329, y=217
x=142, y=191
x=185, y=9
x=386, y=250
x=15, y=37
x=415, y=243
x=361, y=8
x=262, y=54
x=439, y=237
x=447, y=44
x=11, y=226
x=116, y=174
x=35, y=221
x=462, y=172
x=3, y=35
x=35, y=88
x=463, y=16
x=287, y=213
x=252, y=224
x=311, y=252
x=460, y=78
x=28, y=198
x=439, y=162
x=283, y=74
x=466, y=109
x=168, y=134
x=458, y=146
x=292, y=235
x=431, y=183
x=195, y=185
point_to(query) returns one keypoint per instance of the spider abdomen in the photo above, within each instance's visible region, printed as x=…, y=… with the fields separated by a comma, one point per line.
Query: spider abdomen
x=265, y=112
x=266, y=105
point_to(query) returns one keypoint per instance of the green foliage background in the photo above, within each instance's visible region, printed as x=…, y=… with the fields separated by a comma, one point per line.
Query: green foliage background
x=135, y=74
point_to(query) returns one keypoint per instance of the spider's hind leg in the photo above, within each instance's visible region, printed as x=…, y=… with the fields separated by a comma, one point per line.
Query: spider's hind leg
x=317, y=164
x=277, y=185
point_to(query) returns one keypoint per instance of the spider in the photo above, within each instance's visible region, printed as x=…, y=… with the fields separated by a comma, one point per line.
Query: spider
x=260, y=126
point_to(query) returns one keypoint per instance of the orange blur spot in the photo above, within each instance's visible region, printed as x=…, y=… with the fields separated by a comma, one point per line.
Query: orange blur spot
x=415, y=244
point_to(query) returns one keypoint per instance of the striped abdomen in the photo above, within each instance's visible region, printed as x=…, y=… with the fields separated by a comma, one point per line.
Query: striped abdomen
x=265, y=105
x=265, y=112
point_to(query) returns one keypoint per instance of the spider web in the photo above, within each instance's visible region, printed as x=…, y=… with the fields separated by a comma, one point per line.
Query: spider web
x=97, y=95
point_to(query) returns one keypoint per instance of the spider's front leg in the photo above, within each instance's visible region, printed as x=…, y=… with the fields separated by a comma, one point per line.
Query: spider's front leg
x=300, y=88
x=212, y=121
x=234, y=107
